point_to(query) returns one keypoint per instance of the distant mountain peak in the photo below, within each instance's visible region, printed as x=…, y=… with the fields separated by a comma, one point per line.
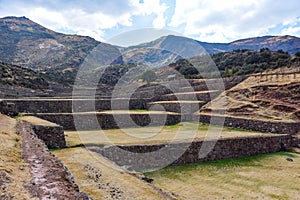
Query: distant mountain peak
x=15, y=18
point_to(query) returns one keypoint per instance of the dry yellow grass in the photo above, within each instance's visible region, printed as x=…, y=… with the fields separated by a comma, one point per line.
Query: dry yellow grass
x=249, y=100
x=101, y=179
x=14, y=172
x=262, y=177
x=37, y=121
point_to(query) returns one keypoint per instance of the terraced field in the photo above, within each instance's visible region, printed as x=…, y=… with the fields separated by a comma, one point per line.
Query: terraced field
x=267, y=97
x=185, y=131
x=269, y=176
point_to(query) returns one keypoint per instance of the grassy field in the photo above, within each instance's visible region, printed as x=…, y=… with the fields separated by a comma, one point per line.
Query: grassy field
x=259, y=177
x=268, y=176
x=149, y=135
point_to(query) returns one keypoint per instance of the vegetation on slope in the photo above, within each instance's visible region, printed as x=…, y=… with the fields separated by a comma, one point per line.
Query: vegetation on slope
x=13, y=75
x=237, y=62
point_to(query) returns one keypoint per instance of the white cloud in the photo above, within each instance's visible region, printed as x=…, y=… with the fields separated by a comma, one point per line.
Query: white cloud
x=89, y=17
x=205, y=20
x=223, y=21
x=97, y=34
x=291, y=31
x=159, y=22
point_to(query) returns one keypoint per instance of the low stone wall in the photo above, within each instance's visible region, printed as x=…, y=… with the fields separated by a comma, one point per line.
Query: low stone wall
x=87, y=121
x=52, y=135
x=252, y=124
x=152, y=92
x=205, y=97
x=66, y=105
x=228, y=82
x=8, y=108
x=179, y=107
x=133, y=156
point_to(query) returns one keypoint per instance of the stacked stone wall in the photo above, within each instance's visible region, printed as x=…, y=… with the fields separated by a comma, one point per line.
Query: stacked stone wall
x=134, y=155
x=281, y=127
x=89, y=121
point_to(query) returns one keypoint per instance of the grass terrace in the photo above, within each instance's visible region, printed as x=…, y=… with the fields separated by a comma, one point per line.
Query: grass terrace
x=269, y=176
x=184, y=131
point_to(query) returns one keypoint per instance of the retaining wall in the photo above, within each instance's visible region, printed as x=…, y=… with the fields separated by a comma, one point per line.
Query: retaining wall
x=206, y=97
x=87, y=121
x=52, y=135
x=178, y=107
x=134, y=156
x=65, y=105
x=252, y=124
x=8, y=108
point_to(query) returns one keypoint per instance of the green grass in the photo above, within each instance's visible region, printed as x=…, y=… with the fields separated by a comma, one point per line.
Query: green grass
x=268, y=176
x=173, y=172
x=18, y=116
x=204, y=127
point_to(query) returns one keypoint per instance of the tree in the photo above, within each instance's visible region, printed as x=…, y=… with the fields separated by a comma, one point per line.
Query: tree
x=188, y=71
x=297, y=54
x=149, y=76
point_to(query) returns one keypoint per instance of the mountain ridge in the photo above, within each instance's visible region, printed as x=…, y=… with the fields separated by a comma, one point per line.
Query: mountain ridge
x=257, y=43
x=30, y=45
x=59, y=56
x=178, y=47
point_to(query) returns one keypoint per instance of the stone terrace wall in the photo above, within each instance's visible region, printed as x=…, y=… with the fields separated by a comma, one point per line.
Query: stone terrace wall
x=107, y=121
x=179, y=107
x=8, y=108
x=224, y=148
x=205, y=97
x=52, y=136
x=252, y=124
x=229, y=82
x=152, y=92
x=65, y=105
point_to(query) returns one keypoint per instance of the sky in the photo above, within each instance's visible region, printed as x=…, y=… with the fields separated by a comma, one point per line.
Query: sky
x=203, y=20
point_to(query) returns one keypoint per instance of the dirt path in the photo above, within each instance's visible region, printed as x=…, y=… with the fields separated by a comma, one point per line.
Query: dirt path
x=49, y=177
x=103, y=180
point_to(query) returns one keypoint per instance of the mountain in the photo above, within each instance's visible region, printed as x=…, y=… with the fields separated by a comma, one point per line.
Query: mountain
x=234, y=63
x=171, y=48
x=286, y=43
x=30, y=45
x=59, y=56
x=165, y=50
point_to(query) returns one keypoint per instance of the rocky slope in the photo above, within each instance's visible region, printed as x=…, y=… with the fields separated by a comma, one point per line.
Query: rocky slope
x=31, y=45
x=28, y=44
x=269, y=96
